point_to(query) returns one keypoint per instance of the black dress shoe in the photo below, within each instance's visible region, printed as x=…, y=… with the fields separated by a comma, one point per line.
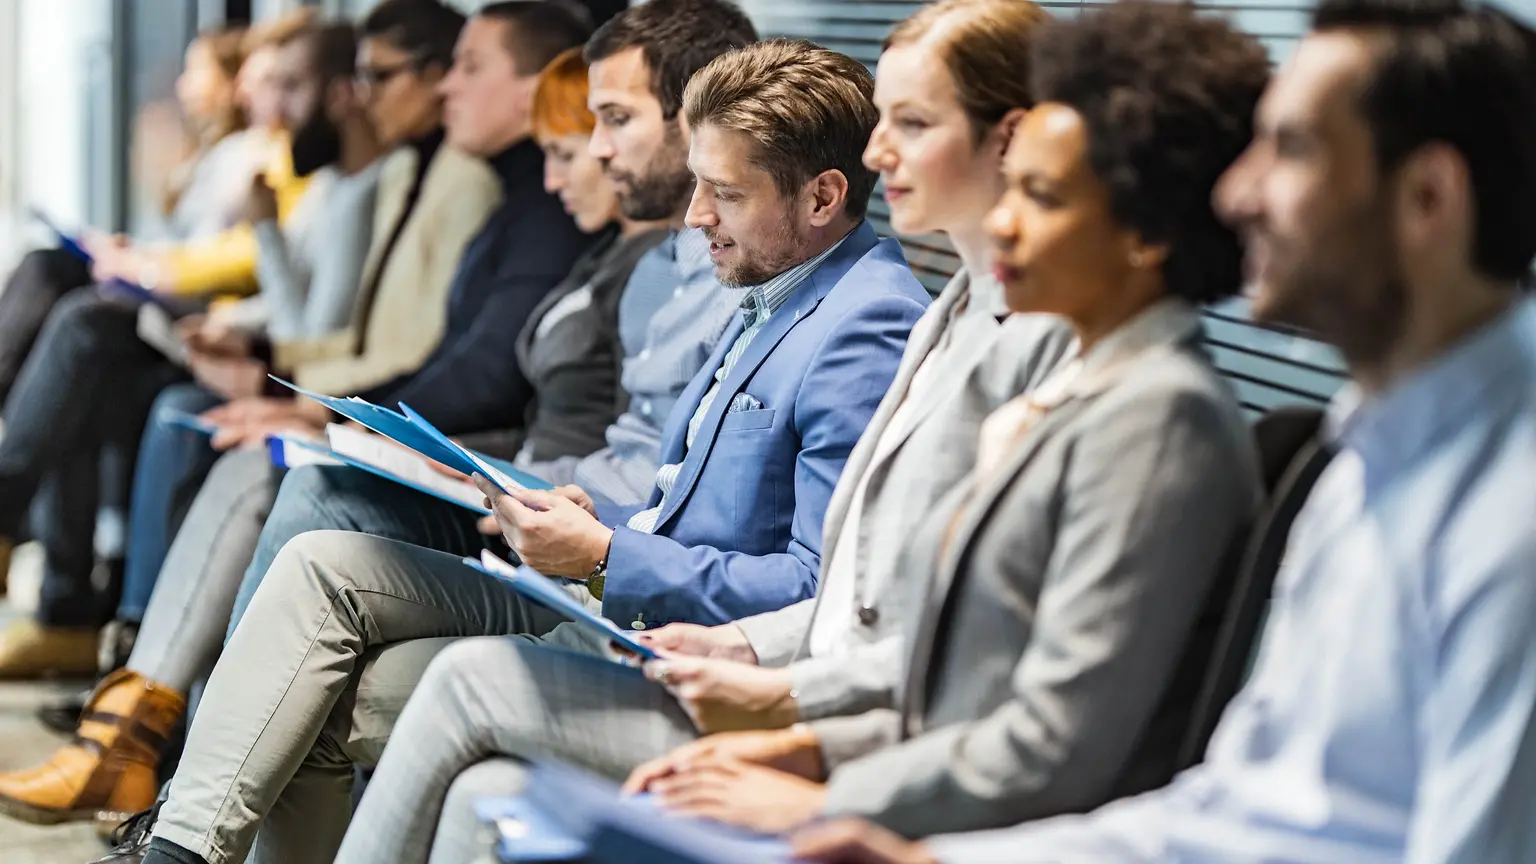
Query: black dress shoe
x=130, y=841
x=63, y=714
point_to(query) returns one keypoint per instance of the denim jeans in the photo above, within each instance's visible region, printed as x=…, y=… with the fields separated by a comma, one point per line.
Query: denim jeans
x=321, y=498
x=172, y=464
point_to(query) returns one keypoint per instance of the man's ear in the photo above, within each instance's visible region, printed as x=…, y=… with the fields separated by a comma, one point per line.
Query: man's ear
x=828, y=197
x=1434, y=198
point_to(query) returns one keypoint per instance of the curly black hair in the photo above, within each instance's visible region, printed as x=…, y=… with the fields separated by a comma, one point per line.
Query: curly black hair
x=1168, y=97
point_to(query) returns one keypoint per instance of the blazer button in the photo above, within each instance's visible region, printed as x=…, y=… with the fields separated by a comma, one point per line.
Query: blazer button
x=868, y=615
x=637, y=624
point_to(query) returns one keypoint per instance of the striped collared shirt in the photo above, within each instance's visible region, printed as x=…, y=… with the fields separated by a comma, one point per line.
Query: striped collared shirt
x=759, y=305
x=671, y=316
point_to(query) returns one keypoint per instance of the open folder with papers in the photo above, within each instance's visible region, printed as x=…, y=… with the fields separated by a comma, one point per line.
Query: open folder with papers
x=547, y=593
x=411, y=430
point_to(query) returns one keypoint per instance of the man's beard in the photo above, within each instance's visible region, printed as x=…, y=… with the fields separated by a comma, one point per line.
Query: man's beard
x=664, y=188
x=785, y=247
x=315, y=145
x=1353, y=295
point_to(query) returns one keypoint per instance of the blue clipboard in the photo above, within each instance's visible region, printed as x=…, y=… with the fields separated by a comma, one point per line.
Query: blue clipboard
x=545, y=592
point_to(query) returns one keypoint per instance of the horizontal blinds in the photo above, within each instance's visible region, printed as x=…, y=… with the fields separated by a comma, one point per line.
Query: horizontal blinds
x=1268, y=366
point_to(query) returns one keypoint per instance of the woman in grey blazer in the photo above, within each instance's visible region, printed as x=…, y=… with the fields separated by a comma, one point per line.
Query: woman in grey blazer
x=1069, y=569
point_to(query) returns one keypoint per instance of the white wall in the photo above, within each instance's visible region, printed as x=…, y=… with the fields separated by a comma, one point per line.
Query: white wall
x=48, y=49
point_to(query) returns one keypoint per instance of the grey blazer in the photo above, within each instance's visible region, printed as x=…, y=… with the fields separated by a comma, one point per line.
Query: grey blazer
x=1058, y=613
x=934, y=448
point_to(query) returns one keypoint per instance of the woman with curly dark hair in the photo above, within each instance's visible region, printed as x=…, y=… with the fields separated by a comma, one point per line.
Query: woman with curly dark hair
x=1052, y=662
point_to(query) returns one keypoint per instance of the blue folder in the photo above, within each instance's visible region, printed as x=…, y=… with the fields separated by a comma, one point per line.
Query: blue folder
x=413, y=431
x=575, y=815
x=68, y=242
x=547, y=593
x=186, y=420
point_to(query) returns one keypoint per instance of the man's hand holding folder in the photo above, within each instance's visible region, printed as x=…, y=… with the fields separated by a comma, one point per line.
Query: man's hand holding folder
x=554, y=532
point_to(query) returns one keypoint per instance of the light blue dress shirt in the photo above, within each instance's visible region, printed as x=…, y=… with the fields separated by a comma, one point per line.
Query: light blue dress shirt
x=1390, y=714
x=671, y=316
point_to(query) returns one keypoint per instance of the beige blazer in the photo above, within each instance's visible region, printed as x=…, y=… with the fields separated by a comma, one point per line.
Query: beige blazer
x=409, y=308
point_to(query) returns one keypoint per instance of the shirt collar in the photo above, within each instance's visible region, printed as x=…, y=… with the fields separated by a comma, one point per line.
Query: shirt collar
x=761, y=301
x=1165, y=324
x=985, y=296
x=1393, y=429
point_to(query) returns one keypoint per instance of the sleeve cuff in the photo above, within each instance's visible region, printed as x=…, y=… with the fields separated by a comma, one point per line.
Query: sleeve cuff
x=776, y=637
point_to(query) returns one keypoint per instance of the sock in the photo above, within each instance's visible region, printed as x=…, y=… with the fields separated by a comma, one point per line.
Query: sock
x=163, y=851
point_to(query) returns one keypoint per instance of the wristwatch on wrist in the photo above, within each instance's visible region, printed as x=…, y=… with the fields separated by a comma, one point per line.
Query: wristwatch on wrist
x=597, y=578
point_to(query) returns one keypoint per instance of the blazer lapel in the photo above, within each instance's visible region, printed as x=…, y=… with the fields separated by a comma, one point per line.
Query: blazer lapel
x=797, y=308
x=919, y=346
x=973, y=511
x=674, y=446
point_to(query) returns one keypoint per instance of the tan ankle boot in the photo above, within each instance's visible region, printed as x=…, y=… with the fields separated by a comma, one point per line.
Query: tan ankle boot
x=110, y=766
x=30, y=650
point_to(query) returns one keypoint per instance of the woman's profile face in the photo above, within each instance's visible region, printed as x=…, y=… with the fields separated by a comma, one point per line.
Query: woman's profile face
x=1058, y=248
x=202, y=88
x=572, y=173
x=937, y=176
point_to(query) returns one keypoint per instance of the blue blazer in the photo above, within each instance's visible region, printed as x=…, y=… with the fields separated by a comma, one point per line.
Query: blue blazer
x=741, y=533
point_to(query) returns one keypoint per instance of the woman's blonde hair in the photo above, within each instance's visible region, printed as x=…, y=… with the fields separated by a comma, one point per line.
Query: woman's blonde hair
x=985, y=45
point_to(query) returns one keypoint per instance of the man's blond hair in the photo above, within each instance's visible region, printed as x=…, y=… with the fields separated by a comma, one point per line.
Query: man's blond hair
x=806, y=109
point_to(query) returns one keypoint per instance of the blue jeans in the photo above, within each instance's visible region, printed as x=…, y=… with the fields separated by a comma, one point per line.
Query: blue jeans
x=172, y=464
x=322, y=498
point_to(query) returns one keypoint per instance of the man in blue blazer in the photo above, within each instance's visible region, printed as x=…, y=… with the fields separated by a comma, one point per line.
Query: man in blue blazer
x=751, y=455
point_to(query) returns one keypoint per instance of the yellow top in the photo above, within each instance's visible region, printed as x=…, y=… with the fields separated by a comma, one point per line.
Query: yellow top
x=226, y=262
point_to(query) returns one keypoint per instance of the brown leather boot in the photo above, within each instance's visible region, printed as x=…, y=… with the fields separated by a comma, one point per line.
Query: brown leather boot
x=30, y=650
x=110, y=766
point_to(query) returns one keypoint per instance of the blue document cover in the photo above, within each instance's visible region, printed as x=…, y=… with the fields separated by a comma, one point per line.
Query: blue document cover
x=184, y=420
x=547, y=593
x=577, y=815
x=124, y=290
x=68, y=242
x=506, y=478
x=414, y=432
x=526, y=833
x=377, y=471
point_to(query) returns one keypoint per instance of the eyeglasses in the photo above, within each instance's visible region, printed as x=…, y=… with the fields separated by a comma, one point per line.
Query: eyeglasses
x=379, y=76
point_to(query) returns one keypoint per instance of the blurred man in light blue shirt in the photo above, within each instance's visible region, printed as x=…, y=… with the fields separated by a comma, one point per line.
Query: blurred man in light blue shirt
x=1386, y=204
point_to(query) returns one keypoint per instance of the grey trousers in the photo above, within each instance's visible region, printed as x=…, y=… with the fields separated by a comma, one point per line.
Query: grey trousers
x=184, y=622
x=482, y=699
x=310, y=683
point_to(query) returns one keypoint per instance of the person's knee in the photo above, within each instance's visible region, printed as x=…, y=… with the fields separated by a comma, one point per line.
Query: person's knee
x=180, y=399
x=455, y=666
x=48, y=271
x=312, y=563
x=492, y=777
